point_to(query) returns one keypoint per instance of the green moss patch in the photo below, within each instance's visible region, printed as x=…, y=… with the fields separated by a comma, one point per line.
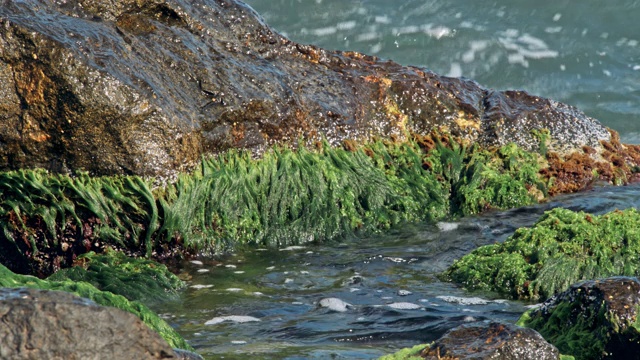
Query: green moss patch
x=412, y=353
x=562, y=248
x=286, y=197
x=105, y=298
x=134, y=278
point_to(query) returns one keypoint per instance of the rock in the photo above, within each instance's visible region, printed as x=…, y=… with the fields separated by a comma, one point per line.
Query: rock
x=595, y=319
x=41, y=324
x=147, y=86
x=495, y=341
x=187, y=355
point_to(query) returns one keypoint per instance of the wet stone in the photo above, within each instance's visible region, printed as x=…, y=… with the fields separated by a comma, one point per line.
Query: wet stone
x=43, y=324
x=491, y=340
x=146, y=87
x=595, y=319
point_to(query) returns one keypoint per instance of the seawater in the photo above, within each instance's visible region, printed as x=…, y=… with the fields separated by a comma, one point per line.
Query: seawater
x=369, y=296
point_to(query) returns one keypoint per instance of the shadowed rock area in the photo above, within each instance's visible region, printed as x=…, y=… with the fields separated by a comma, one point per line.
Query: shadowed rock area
x=42, y=324
x=145, y=87
x=595, y=319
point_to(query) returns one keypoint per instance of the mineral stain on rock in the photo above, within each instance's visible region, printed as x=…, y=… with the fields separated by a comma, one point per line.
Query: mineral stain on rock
x=146, y=87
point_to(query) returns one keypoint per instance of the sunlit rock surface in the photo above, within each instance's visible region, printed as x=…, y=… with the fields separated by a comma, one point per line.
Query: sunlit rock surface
x=145, y=87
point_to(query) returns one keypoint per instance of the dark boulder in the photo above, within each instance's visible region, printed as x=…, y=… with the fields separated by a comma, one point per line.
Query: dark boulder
x=596, y=319
x=491, y=340
x=42, y=324
x=147, y=86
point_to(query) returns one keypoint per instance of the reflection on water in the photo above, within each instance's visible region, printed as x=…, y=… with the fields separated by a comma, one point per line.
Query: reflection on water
x=587, y=55
x=360, y=298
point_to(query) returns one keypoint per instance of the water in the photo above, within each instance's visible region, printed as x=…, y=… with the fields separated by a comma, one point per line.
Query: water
x=366, y=297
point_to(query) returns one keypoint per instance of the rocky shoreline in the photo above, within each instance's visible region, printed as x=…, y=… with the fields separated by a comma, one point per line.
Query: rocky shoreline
x=106, y=165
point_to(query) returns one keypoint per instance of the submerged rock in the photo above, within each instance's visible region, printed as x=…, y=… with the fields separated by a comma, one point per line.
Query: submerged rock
x=596, y=319
x=495, y=341
x=145, y=87
x=42, y=324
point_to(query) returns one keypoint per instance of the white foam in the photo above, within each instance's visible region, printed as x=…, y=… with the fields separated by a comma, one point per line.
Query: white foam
x=404, y=292
x=293, y=247
x=404, y=306
x=198, y=287
x=335, y=304
x=235, y=289
x=329, y=30
x=230, y=266
x=203, y=270
x=463, y=300
x=447, y=226
x=238, y=342
x=346, y=25
x=196, y=262
x=232, y=318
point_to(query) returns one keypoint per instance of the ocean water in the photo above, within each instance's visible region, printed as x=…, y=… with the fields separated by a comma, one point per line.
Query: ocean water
x=363, y=298
x=585, y=53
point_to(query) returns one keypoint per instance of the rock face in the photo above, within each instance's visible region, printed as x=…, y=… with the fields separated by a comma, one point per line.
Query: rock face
x=41, y=324
x=495, y=341
x=596, y=319
x=147, y=86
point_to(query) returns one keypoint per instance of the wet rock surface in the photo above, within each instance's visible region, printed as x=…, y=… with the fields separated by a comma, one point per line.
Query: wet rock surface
x=41, y=324
x=145, y=87
x=491, y=340
x=595, y=319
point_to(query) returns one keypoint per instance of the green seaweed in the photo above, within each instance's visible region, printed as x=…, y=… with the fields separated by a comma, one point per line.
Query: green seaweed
x=11, y=280
x=285, y=197
x=135, y=279
x=561, y=248
x=412, y=353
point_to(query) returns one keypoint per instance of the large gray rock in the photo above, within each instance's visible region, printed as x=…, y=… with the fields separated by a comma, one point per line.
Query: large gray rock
x=491, y=341
x=41, y=324
x=147, y=86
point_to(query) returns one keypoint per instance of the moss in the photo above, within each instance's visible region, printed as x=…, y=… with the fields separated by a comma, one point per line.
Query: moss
x=412, y=353
x=105, y=298
x=113, y=271
x=562, y=248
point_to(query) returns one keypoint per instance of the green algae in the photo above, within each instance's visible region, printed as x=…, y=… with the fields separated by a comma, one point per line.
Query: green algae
x=11, y=280
x=286, y=197
x=134, y=278
x=412, y=353
x=562, y=248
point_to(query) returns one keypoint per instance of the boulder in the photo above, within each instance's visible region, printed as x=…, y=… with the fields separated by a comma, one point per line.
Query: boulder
x=595, y=319
x=147, y=86
x=491, y=340
x=42, y=324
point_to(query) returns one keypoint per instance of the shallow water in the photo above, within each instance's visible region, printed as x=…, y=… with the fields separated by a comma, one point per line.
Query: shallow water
x=361, y=298
x=366, y=297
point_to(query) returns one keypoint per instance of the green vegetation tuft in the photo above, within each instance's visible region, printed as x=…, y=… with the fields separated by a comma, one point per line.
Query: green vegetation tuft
x=11, y=280
x=412, y=353
x=562, y=248
x=135, y=279
x=286, y=197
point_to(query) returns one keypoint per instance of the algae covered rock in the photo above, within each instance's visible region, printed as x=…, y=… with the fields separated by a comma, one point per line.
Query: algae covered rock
x=595, y=319
x=136, y=279
x=43, y=324
x=9, y=279
x=146, y=87
x=561, y=248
